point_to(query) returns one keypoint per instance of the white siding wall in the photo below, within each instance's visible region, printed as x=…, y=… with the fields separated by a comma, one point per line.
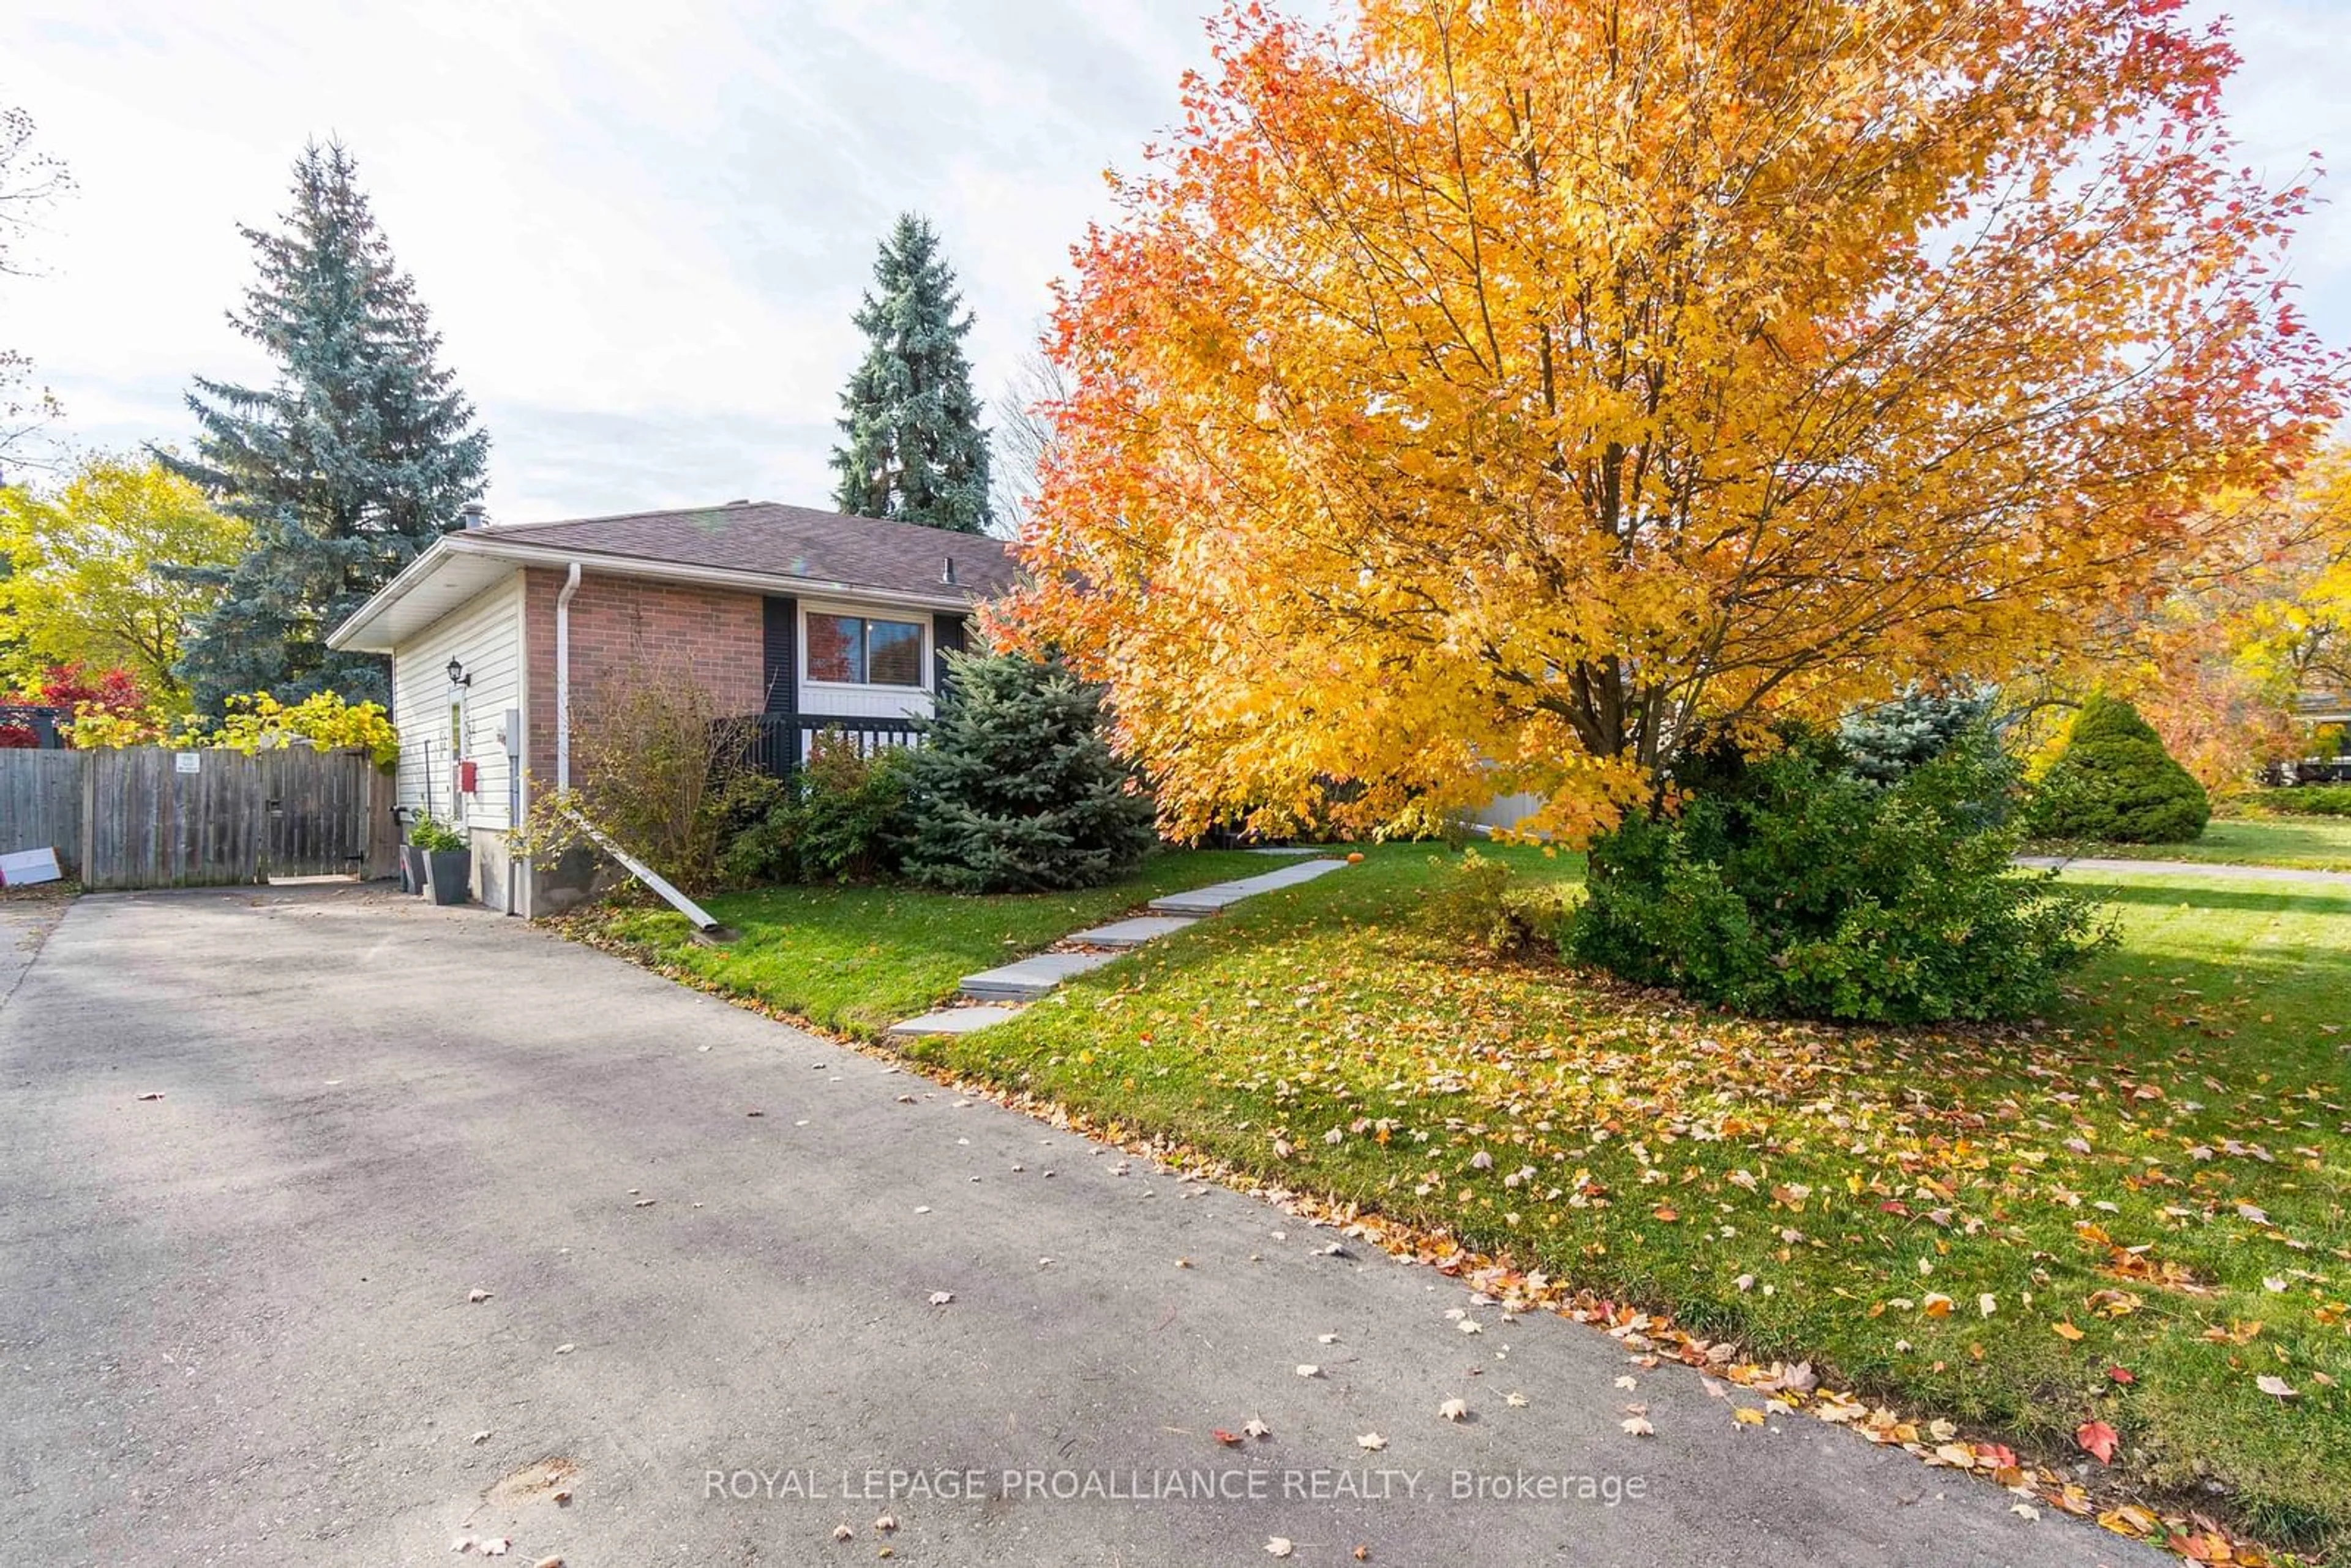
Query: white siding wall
x=484, y=635
x=864, y=702
x=1506, y=810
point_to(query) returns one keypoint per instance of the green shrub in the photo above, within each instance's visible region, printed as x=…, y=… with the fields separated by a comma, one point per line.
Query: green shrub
x=754, y=836
x=1477, y=905
x=2114, y=783
x=434, y=836
x=853, y=808
x=2306, y=800
x=1794, y=888
x=1015, y=789
x=657, y=770
x=836, y=820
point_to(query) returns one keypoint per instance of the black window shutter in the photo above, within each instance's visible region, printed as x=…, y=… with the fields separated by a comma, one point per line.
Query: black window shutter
x=947, y=637
x=779, y=667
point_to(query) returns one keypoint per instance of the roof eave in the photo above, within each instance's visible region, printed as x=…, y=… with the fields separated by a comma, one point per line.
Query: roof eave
x=951, y=597
x=414, y=573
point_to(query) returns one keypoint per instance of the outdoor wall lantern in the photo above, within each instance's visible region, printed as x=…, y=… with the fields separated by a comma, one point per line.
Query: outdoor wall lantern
x=458, y=675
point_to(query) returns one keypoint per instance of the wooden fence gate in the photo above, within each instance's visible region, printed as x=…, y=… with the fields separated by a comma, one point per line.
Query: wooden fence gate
x=150, y=818
x=40, y=802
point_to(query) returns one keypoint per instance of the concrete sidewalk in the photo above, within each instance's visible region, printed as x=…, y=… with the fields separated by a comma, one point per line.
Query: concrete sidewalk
x=2222, y=870
x=237, y=1327
x=24, y=924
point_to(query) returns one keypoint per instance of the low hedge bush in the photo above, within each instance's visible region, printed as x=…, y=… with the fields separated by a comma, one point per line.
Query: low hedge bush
x=1793, y=887
x=1477, y=903
x=838, y=818
x=2305, y=801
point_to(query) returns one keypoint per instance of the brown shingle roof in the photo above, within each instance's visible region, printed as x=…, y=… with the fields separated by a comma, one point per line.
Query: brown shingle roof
x=788, y=541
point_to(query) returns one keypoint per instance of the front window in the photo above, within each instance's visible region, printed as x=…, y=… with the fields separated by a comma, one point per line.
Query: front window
x=859, y=651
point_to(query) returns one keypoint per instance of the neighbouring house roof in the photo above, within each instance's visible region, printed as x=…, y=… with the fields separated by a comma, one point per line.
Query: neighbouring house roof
x=756, y=546
x=2323, y=707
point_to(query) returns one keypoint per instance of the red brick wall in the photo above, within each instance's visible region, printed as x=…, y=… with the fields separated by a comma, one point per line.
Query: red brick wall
x=618, y=623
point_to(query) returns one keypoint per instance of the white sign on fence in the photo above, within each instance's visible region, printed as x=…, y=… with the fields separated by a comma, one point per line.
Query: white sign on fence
x=188, y=762
x=28, y=866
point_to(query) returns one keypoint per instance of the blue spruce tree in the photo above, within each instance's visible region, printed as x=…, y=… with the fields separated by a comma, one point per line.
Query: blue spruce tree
x=1887, y=743
x=1015, y=788
x=915, y=450
x=358, y=456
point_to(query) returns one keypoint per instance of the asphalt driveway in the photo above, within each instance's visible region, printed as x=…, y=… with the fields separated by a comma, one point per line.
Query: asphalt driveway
x=235, y=1324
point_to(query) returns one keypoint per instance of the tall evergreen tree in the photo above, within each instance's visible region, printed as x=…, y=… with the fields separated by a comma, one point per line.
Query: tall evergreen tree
x=916, y=449
x=356, y=458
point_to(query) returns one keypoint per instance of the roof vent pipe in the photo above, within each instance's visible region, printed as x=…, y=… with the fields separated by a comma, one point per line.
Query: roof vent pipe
x=946, y=570
x=477, y=516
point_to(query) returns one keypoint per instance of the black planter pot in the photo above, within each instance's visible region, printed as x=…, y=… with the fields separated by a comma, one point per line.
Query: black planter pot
x=412, y=869
x=449, y=875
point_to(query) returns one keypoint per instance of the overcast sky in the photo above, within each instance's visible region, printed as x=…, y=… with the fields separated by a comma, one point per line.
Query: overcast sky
x=642, y=228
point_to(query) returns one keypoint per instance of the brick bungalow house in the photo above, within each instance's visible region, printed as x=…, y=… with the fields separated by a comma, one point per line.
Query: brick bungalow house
x=810, y=618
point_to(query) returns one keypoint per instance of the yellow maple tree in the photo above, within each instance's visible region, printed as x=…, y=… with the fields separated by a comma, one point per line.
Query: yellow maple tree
x=2295, y=636
x=2257, y=619
x=1511, y=396
x=109, y=570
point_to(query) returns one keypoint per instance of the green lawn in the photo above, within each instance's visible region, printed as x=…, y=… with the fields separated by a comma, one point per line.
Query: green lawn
x=1813, y=1191
x=2153, y=1183
x=2309, y=844
x=858, y=960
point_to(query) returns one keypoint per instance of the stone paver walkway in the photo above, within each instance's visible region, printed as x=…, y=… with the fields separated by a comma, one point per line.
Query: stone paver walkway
x=1006, y=985
x=1132, y=932
x=1026, y=979
x=1223, y=896
x=959, y=1021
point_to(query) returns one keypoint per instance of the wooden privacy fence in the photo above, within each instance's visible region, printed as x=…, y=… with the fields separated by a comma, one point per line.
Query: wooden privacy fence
x=150, y=818
x=40, y=802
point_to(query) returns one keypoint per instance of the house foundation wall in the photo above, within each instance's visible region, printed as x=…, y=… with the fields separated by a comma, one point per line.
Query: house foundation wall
x=493, y=870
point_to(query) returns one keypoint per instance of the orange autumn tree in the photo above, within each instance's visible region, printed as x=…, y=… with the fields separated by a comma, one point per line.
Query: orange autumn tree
x=2293, y=633
x=2258, y=619
x=1507, y=396
x=2232, y=635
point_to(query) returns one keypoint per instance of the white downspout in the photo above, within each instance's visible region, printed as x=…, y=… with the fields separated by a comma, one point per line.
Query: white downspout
x=563, y=679
x=645, y=874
